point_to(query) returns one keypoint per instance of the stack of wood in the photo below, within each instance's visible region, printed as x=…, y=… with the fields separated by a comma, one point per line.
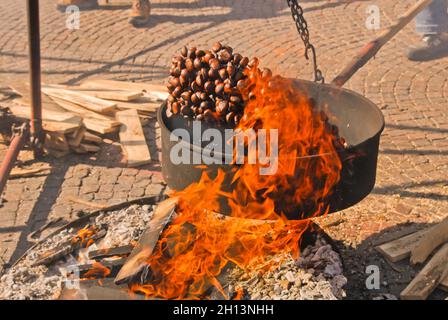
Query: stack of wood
x=419, y=246
x=75, y=117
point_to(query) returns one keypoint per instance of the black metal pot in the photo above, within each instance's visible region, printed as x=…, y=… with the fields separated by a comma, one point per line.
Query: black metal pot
x=359, y=120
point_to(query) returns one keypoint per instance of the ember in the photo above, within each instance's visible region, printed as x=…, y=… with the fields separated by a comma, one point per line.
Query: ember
x=87, y=236
x=197, y=246
x=98, y=271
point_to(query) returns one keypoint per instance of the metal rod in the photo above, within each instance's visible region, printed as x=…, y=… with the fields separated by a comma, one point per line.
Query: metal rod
x=371, y=49
x=21, y=136
x=35, y=69
x=17, y=143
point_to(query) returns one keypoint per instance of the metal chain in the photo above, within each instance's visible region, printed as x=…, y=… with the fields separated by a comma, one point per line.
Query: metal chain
x=302, y=28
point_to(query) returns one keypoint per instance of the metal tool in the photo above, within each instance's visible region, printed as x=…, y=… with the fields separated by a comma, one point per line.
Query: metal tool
x=25, y=134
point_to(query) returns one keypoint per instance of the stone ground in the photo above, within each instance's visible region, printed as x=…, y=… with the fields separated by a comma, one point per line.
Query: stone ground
x=412, y=184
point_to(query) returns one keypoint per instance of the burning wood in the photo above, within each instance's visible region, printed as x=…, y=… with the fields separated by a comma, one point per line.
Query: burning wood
x=124, y=227
x=111, y=252
x=143, y=250
x=103, y=269
x=56, y=254
x=85, y=237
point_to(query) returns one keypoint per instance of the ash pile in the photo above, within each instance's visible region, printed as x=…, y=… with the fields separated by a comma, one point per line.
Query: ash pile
x=84, y=263
x=63, y=258
x=316, y=275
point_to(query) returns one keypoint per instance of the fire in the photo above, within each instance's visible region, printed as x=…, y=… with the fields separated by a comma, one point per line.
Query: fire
x=84, y=237
x=98, y=271
x=199, y=244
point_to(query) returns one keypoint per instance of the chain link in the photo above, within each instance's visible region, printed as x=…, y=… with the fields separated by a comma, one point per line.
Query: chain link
x=302, y=28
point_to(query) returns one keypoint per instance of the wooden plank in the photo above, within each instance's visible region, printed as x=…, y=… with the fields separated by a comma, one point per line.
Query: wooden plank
x=52, y=121
x=55, y=254
x=429, y=278
x=143, y=250
x=110, y=252
x=401, y=248
x=25, y=111
x=23, y=89
x=90, y=137
x=84, y=148
x=64, y=249
x=431, y=240
x=100, y=126
x=158, y=91
x=85, y=113
x=97, y=269
x=119, y=95
x=75, y=139
x=125, y=96
x=89, y=147
x=22, y=173
x=133, y=139
x=86, y=101
x=92, y=120
x=56, y=141
x=141, y=104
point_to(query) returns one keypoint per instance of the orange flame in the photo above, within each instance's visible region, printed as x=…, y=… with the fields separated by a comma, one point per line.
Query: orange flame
x=198, y=246
x=85, y=236
x=98, y=271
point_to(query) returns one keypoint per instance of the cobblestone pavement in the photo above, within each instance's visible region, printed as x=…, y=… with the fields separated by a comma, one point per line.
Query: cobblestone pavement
x=412, y=186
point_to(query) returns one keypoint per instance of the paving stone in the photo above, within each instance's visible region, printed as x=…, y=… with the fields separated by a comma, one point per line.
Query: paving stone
x=136, y=193
x=61, y=210
x=87, y=196
x=129, y=172
x=126, y=181
x=120, y=195
x=154, y=189
x=31, y=184
x=69, y=191
x=106, y=188
x=412, y=165
x=107, y=178
x=30, y=195
x=157, y=179
x=8, y=215
x=89, y=188
x=72, y=182
x=142, y=183
x=81, y=172
x=103, y=195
